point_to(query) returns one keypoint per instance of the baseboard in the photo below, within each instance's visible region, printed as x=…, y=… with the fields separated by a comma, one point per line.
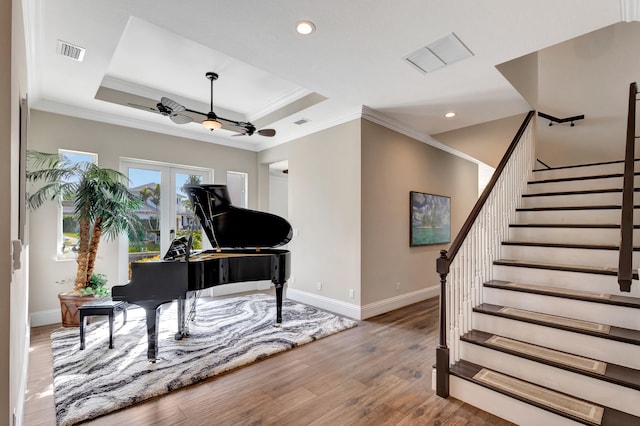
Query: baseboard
x=51, y=316
x=386, y=305
x=362, y=312
x=336, y=306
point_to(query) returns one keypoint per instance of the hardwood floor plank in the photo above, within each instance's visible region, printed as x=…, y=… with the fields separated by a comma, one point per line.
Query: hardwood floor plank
x=378, y=373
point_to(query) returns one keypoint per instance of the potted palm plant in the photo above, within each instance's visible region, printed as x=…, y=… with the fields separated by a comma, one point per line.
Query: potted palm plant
x=103, y=205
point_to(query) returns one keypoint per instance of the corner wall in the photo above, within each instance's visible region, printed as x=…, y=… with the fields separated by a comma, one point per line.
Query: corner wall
x=486, y=142
x=393, y=165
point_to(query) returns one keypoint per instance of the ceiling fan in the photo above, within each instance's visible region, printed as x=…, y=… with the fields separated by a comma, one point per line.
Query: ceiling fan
x=179, y=114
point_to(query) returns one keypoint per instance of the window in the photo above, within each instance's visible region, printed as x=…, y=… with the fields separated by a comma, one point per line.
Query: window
x=68, y=229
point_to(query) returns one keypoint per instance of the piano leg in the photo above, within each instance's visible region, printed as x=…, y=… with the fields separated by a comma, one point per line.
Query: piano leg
x=279, y=288
x=153, y=318
x=182, y=327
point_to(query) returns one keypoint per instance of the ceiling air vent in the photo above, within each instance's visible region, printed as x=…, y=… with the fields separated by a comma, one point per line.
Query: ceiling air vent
x=301, y=121
x=444, y=51
x=70, y=51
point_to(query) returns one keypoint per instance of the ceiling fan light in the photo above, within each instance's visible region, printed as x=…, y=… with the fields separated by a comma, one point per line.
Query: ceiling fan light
x=212, y=123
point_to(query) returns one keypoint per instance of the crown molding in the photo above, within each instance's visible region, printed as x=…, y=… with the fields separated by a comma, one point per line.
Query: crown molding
x=314, y=128
x=281, y=102
x=390, y=123
x=629, y=10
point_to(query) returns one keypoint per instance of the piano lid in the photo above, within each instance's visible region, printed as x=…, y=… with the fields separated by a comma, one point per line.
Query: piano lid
x=230, y=226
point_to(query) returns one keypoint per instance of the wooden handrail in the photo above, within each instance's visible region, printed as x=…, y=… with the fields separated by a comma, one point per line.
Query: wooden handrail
x=625, y=267
x=457, y=243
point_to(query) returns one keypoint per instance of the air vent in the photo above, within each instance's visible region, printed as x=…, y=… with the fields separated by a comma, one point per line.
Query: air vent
x=301, y=121
x=70, y=51
x=444, y=51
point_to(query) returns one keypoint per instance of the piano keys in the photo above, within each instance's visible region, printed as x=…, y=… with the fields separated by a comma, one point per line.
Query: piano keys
x=244, y=242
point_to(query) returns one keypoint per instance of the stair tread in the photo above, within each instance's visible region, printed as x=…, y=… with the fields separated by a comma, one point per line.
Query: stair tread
x=575, y=178
x=579, y=166
x=569, y=225
x=604, y=331
x=539, y=396
x=559, y=208
x=613, y=373
x=565, y=245
x=609, y=299
x=575, y=192
x=589, y=269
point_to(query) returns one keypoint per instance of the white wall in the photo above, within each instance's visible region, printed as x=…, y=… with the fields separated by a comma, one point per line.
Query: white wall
x=14, y=327
x=51, y=131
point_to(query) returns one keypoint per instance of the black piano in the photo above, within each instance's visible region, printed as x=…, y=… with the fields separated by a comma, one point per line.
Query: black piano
x=243, y=241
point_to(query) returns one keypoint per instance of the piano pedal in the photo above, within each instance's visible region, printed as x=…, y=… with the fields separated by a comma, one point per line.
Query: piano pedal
x=180, y=335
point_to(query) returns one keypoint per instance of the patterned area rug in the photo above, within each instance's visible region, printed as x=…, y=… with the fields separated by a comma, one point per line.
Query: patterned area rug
x=226, y=334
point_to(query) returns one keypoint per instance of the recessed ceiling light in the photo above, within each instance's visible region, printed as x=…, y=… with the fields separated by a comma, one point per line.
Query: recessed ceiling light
x=450, y=114
x=305, y=27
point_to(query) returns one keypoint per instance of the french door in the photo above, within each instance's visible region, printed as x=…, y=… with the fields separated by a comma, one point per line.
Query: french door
x=166, y=211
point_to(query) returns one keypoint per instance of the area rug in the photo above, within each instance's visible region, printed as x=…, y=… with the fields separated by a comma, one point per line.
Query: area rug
x=226, y=334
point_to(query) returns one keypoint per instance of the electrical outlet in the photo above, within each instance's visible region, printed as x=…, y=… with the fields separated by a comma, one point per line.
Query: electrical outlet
x=319, y=286
x=397, y=286
x=351, y=293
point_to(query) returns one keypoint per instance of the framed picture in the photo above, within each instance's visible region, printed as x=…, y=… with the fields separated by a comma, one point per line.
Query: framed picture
x=430, y=221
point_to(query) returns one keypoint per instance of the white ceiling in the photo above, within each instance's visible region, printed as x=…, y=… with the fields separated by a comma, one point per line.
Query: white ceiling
x=141, y=50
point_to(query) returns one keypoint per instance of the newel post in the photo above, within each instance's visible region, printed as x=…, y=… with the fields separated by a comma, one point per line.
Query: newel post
x=442, y=351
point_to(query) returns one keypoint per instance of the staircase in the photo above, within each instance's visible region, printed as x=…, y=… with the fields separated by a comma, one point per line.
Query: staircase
x=554, y=341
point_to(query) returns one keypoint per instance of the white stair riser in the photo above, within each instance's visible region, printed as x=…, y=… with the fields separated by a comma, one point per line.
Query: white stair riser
x=566, y=256
x=601, y=313
x=569, y=235
x=578, y=185
x=585, y=345
x=601, y=169
x=570, y=200
x=511, y=409
x=577, y=385
x=564, y=279
x=587, y=217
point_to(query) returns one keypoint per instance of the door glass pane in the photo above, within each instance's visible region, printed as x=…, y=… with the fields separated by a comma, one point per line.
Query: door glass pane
x=145, y=183
x=185, y=219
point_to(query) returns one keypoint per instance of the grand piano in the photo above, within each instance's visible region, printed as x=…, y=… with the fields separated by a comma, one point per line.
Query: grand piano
x=243, y=242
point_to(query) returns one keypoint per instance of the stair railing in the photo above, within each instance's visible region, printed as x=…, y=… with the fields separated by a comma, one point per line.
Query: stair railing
x=468, y=263
x=625, y=267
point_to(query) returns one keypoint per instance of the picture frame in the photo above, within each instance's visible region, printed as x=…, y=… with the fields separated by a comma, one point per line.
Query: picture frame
x=430, y=219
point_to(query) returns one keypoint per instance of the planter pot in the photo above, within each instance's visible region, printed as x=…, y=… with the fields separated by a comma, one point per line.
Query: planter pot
x=69, y=304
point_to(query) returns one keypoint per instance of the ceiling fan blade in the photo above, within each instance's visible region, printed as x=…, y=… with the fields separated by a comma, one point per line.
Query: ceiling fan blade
x=143, y=107
x=171, y=104
x=180, y=119
x=267, y=132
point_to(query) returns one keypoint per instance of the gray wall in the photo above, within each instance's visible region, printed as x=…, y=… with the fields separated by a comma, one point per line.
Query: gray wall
x=48, y=132
x=392, y=166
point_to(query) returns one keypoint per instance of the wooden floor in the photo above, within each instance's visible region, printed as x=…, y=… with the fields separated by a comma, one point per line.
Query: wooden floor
x=378, y=373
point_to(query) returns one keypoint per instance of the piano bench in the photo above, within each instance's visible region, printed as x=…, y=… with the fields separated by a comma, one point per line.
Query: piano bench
x=104, y=306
